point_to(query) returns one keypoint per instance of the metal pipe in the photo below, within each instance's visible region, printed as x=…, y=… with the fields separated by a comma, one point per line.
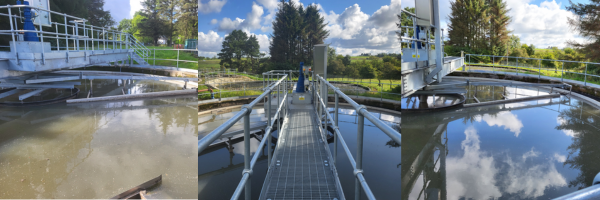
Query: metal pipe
x=238, y=190
x=359, y=153
x=335, y=138
x=247, y=152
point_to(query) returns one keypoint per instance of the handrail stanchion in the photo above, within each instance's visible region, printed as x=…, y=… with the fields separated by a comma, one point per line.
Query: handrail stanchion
x=335, y=138
x=247, y=152
x=269, y=124
x=359, y=152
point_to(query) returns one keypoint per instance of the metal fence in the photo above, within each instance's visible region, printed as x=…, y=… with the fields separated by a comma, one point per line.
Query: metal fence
x=245, y=113
x=563, y=69
x=362, y=113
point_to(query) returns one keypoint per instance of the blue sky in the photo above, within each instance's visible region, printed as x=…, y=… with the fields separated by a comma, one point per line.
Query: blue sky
x=365, y=26
x=542, y=23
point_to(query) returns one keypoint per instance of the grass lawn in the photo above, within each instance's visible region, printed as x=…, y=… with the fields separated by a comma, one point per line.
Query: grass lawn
x=172, y=54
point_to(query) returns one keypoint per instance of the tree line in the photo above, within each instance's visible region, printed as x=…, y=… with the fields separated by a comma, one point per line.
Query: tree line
x=173, y=20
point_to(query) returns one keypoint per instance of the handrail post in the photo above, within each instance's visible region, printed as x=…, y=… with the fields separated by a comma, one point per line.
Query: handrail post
x=540, y=70
x=247, y=152
x=278, y=103
x=517, y=66
x=335, y=137
x=585, y=78
x=269, y=124
x=562, y=71
x=359, y=153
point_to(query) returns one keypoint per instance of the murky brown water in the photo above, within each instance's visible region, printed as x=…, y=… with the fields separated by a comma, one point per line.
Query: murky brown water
x=98, y=150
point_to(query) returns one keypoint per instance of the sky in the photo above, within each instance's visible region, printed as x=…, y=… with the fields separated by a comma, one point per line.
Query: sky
x=542, y=23
x=365, y=26
x=122, y=9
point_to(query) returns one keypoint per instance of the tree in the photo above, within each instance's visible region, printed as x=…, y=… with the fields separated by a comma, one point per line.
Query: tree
x=531, y=50
x=97, y=16
x=347, y=60
x=150, y=26
x=252, y=50
x=295, y=32
x=187, y=22
x=125, y=26
x=499, y=21
x=479, y=26
x=167, y=12
x=233, y=47
x=586, y=22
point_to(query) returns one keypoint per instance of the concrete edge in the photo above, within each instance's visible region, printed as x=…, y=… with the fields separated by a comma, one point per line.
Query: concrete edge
x=589, y=100
x=132, y=96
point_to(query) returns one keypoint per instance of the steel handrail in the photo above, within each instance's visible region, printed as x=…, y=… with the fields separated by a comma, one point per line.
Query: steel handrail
x=240, y=187
x=214, y=135
x=362, y=110
x=358, y=172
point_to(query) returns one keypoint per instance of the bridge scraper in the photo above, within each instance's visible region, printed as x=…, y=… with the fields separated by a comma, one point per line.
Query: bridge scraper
x=36, y=53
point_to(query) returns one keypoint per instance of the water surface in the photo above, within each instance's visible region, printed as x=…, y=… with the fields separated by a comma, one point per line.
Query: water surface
x=539, y=149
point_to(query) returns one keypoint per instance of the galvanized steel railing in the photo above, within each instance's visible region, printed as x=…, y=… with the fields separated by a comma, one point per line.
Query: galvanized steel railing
x=245, y=113
x=525, y=65
x=362, y=113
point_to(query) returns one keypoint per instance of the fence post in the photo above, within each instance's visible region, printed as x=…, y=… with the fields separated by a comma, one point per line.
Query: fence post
x=562, y=71
x=247, y=152
x=493, y=64
x=178, y=58
x=269, y=124
x=359, y=152
x=517, y=66
x=540, y=70
x=335, y=137
x=585, y=78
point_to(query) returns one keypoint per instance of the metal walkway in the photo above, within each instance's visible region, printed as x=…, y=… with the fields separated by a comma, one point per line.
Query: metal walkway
x=301, y=167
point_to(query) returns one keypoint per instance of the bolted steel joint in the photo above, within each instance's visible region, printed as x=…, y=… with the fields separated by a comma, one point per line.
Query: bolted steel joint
x=247, y=171
x=358, y=171
x=248, y=107
x=360, y=108
x=596, y=179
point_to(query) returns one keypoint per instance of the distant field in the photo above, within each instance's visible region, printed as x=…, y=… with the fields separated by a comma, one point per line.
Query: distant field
x=209, y=63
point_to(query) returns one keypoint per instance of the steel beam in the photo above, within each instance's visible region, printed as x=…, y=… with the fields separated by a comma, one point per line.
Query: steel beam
x=8, y=93
x=30, y=94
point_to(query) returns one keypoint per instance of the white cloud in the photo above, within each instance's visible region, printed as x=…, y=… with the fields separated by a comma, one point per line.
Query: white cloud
x=209, y=44
x=211, y=6
x=561, y=121
x=135, y=5
x=214, y=21
x=543, y=25
x=560, y=158
x=504, y=118
x=352, y=20
x=474, y=175
x=264, y=42
x=251, y=23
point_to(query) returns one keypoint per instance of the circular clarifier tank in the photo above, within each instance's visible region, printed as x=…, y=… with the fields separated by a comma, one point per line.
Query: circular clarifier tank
x=531, y=149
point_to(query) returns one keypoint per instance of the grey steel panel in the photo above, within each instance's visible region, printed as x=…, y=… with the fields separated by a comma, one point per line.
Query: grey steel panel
x=300, y=168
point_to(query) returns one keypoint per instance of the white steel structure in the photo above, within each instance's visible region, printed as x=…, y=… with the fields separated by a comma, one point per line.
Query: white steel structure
x=421, y=63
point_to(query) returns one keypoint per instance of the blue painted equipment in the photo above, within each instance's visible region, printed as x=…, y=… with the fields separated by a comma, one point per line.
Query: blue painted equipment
x=300, y=84
x=28, y=23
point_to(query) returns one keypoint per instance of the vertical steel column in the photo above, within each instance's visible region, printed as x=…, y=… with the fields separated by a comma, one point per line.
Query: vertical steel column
x=66, y=33
x=540, y=70
x=57, y=43
x=178, y=58
x=359, y=152
x=517, y=66
x=325, y=110
x=154, y=59
x=247, y=152
x=42, y=39
x=335, y=137
x=585, y=78
x=269, y=124
x=562, y=71
x=278, y=103
x=12, y=33
x=493, y=64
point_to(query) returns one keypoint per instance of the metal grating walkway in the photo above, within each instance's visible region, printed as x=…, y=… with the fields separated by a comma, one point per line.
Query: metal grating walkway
x=301, y=165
